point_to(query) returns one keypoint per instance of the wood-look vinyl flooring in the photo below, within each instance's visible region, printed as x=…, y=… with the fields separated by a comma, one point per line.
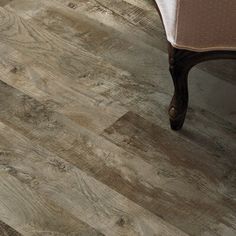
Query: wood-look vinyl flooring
x=85, y=144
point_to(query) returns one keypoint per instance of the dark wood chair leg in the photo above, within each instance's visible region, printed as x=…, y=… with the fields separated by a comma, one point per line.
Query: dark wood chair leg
x=179, y=70
x=179, y=103
x=181, y=61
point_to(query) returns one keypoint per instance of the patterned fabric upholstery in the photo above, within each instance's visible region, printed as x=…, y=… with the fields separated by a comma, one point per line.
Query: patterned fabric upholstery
x=200, y=25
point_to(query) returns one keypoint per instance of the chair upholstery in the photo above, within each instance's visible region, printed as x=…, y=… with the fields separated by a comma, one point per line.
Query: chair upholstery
x=200, y=25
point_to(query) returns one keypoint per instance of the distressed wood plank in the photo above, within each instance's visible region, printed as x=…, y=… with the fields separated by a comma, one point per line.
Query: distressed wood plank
x=98, y=39
x=6, y=230
x=5, y=2
x=86, y=108
x=75, y=68
x=30, y=213
x=108, y=14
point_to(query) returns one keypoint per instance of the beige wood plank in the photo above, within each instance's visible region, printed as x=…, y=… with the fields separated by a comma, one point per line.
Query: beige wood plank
x=67, y=186
x=27, y=212
x=67, y=74
x=99, y=39
x=113, y=14
x=90, y=110
x=146, y=5
x=50, y=50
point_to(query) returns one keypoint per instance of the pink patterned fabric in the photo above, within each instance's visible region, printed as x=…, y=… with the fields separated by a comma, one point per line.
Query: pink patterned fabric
x=200, y=25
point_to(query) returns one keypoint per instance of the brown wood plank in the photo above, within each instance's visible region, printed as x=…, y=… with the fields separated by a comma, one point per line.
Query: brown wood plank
x=6, y=230
x=5, y=2
x=125, y=17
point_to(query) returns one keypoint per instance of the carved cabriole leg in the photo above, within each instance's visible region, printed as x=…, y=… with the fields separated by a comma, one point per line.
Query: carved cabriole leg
x=179, y=69
x=179, y=103
x=181, y=61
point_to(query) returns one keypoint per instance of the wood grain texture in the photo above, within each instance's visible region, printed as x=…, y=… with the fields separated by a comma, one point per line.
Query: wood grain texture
x=85, y=146
x=186, y=171
x=6, y=230
x=83, y=196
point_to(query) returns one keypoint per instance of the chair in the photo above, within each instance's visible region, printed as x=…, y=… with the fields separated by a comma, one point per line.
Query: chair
x=196, y=30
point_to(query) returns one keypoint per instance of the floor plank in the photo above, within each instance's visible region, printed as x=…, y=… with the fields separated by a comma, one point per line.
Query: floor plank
x=30, y=213
x=86, y=108
x=6, y=230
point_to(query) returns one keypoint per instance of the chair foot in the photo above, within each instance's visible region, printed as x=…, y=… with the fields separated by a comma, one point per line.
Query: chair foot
x=176, y=120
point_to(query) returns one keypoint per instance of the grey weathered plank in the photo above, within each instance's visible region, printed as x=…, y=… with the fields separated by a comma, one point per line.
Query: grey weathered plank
x=146, y=5
x=99, y=39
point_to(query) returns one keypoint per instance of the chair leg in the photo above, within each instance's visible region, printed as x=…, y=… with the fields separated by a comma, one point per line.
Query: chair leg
x=181, y=61
x=179, y=68
x=179, y=103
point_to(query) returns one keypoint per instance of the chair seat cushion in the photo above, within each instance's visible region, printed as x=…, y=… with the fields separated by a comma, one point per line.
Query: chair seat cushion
x=200, y=25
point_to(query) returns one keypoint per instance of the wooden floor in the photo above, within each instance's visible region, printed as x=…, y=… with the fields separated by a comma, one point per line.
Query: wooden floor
x=85, y=144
